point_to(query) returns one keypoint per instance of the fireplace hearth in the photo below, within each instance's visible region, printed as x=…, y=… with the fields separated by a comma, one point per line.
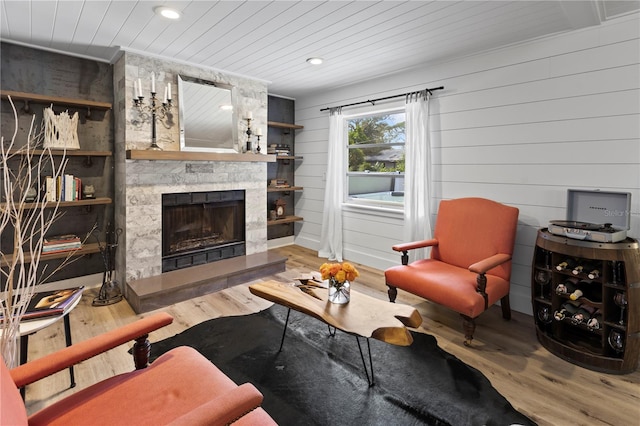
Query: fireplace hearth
x=202, y=227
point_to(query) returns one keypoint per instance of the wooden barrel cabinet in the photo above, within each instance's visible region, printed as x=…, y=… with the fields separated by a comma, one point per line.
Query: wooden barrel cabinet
x=586, y=301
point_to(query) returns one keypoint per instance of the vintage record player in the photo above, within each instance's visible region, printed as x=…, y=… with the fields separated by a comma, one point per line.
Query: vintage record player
x=599, y=216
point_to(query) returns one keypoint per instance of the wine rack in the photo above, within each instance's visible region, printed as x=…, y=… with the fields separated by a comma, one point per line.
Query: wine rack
x=586, y=301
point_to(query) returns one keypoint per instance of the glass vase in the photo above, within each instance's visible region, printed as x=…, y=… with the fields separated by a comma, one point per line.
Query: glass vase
x=339, y=293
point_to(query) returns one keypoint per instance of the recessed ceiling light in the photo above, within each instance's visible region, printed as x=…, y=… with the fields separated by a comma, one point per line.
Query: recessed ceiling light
x=167, y=12
x=315, y=61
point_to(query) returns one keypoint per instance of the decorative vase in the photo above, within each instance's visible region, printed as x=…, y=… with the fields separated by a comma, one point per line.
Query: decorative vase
x=339, y=293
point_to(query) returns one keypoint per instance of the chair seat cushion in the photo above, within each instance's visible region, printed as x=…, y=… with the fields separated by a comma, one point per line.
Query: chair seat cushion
x=177, y=383
x=446, y=284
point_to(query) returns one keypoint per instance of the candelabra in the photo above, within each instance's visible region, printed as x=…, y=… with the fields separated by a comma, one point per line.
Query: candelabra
x=157, y=111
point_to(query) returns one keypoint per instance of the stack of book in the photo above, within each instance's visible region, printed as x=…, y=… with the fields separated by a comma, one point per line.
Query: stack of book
x=278, y=149
x=61, y=243
x=63, y=188
x=279, y=183
x=51, y=303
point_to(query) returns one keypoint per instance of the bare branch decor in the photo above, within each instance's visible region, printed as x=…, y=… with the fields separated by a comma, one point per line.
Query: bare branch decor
x=29, y=221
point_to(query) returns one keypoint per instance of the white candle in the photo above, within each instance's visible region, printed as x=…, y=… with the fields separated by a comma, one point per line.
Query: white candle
x=169, y=91
x=153, y=83
x=249, y=116
x=258, y=131
x=165, y=95
x=139, y=88
x=135, y=88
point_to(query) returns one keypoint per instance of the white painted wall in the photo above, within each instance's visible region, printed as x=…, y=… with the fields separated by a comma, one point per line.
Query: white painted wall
x=519, y=125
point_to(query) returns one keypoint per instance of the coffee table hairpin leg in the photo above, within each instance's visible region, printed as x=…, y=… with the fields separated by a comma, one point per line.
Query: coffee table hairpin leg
x=332, y=333
x=364, y=364
x=284, y=331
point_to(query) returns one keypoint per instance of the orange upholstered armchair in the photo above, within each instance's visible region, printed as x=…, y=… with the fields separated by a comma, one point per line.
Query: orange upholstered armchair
x=181, y=387
x=470, y=264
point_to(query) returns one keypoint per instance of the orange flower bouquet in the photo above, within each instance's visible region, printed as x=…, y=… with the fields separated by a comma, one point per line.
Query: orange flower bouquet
x=340, y=276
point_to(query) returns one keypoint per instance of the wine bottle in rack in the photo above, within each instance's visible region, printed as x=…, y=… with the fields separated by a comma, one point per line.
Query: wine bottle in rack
x=565, y=265
x=593, y=274
x=567, y=287
x=576, y=294
x=583, y=314
x=566, y=310
x=595, y=322
x=583, y=267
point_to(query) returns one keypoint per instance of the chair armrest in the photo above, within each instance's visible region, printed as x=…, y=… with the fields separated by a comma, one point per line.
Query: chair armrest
x=489, y=263
x=35, y=370
x=415, y=245
x=224, y=409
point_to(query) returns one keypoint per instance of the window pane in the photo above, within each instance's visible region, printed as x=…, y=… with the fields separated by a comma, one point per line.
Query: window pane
x=376, y=152
x=377, y=159
x=377, y=129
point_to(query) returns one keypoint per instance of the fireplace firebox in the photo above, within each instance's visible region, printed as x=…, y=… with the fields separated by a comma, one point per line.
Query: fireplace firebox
x=202, y=227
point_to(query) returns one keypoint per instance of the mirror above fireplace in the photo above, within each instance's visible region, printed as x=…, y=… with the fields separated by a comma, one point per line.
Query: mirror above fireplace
x=207, y=116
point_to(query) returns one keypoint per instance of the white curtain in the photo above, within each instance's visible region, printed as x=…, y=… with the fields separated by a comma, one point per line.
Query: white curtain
x=331, y=236
x=418, y=170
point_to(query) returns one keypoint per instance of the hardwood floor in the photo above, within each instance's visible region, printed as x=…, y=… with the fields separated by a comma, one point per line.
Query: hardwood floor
x=544, y=387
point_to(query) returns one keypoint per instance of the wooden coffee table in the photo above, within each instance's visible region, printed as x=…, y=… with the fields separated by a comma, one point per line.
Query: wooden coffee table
x=364, y=316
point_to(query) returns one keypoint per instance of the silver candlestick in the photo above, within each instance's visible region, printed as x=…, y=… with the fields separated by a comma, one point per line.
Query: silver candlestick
x=249, y=133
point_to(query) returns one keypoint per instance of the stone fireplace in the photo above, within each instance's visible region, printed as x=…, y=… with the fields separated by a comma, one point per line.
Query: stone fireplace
x=141, y=183
x=201, y=227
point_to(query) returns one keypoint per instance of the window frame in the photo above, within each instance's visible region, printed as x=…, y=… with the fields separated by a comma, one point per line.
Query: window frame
x=379, y=205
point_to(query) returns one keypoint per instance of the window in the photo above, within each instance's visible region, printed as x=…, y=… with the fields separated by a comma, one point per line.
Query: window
x=375, y=174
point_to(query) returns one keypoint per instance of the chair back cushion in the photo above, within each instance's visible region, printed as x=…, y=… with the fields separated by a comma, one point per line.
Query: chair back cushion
x=471, y=229
x=12, y=410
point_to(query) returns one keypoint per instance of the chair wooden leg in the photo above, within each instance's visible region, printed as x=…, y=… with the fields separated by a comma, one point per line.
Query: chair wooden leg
x=469, y=326
x=506, y=307
x=141, y=352
x=393, y=293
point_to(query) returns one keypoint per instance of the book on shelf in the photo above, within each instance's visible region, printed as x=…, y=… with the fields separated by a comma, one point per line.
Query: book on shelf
x=62, y=188
x=279, y=183
x=60, y=243
x=51, y=303
x=278, y=149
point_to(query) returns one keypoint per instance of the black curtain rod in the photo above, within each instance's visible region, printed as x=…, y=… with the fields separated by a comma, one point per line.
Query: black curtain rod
x=372, y=101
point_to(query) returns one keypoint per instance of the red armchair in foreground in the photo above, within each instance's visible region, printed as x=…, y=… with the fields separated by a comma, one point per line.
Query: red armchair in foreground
x=470, y=265
x=181, y=387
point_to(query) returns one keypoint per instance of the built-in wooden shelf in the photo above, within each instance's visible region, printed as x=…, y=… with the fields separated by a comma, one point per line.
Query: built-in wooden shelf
x=150, y=154
x=284, y=125
x=288, y=157
x=76, y=203
x=56, y=100
x=85, y=249
x=286, y=219
x=68, y=153
x=284, y=189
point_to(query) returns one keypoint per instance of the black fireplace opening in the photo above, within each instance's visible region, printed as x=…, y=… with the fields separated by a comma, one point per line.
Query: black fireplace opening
x=202, y=227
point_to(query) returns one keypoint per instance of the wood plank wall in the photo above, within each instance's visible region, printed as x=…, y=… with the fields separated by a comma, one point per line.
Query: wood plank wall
x=519, y=125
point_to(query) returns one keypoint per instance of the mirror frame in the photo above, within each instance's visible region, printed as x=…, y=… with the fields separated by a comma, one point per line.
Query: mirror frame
x=181, y=110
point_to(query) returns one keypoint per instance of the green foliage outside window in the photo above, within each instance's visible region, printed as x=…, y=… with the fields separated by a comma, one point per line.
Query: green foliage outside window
x=374, y=137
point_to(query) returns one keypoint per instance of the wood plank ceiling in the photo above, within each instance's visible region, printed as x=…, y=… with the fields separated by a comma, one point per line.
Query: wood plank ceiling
x=271, y=40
